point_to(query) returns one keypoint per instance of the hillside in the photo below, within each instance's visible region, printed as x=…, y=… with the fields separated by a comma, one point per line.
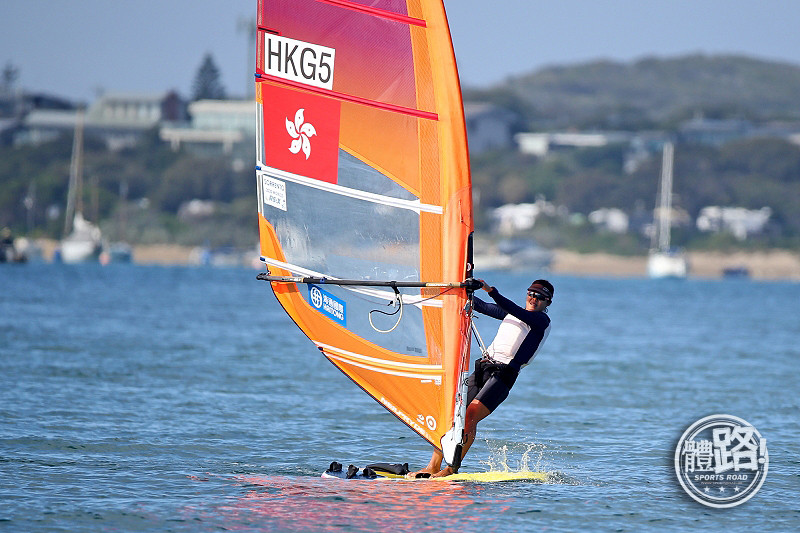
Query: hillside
x=650, y=92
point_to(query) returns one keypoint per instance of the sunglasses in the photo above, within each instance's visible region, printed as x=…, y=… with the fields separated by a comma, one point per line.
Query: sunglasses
x=537, y=296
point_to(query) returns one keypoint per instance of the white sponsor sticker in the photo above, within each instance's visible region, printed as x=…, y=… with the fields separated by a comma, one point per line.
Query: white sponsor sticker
x=273, y=192
x=299, y=61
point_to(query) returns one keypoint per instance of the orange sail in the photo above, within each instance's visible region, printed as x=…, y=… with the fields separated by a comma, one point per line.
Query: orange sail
x=364, y=197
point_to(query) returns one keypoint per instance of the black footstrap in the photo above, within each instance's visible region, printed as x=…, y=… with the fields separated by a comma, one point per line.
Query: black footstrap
x=352, y=471
x=392, y=468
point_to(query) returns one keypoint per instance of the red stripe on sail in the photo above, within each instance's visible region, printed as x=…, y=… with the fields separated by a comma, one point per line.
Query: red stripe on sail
x=261, y=76
x=391, y=15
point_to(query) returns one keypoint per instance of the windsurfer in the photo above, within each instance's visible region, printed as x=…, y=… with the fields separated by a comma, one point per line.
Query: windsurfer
x=521, y=334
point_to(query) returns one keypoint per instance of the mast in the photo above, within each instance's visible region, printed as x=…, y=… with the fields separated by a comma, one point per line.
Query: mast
x=75, y=188
x=664, y=205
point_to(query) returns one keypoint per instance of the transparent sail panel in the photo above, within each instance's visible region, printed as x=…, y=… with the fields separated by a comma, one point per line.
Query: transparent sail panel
x=345, y=237
x=358, y=175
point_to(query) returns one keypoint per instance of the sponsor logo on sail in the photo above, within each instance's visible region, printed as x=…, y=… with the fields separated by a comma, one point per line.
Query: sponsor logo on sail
x=428, y=421
x=328, y=304
x=299, y=61
x=419, y=428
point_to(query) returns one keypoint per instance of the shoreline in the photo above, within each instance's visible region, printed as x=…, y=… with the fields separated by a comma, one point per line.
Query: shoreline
x=773, y=265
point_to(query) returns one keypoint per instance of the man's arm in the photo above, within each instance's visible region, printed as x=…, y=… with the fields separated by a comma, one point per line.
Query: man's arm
x=492, y=310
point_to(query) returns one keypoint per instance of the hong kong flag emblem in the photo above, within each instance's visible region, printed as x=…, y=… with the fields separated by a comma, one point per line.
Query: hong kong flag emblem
x=301, y=133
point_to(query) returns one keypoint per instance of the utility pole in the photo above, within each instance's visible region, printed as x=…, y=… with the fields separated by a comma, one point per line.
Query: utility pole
x=247, y=25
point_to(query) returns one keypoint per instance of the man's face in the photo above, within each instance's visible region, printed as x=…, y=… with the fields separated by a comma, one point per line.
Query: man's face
x=536, y=301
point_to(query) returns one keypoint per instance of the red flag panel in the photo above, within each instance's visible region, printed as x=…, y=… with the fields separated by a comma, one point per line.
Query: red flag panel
x=301, y=133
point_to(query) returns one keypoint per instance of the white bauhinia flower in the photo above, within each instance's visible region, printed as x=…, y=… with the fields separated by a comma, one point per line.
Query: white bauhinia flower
x=300, y=132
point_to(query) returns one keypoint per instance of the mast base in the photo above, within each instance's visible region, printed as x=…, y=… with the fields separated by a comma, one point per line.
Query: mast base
x=452, y=448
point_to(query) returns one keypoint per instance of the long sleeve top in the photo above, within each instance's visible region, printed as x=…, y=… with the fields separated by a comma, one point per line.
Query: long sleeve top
x=521, y=334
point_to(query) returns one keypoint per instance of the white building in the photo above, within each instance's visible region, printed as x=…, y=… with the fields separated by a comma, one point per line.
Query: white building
x=540, y=144
x=739, y=221
x=118, y=118
x=513, y=218
x=610, y=219
x=216, y=125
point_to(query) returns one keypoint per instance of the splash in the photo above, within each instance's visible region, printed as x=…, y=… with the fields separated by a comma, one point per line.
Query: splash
x=523, y=457
x=516, y=457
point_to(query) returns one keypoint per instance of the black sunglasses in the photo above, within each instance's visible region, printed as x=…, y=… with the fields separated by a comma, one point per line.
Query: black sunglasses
x=537, y=296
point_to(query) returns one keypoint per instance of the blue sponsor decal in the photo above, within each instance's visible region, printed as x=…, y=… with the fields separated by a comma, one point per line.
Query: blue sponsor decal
x=328, y=304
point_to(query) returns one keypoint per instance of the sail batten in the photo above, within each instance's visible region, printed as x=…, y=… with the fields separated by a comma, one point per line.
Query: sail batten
x=332, y=350
x=385, y=106
x=364, y=197
x=376, y=12
x=413, y=205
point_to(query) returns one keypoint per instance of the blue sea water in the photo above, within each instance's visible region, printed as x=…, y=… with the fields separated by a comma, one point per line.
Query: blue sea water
x=140, y=398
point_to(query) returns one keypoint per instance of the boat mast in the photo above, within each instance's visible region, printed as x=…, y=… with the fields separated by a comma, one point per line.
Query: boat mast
x=665, y=199
x=75, y=189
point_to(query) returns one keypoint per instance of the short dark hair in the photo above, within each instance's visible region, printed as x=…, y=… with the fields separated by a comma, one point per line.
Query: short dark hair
x=547, y=285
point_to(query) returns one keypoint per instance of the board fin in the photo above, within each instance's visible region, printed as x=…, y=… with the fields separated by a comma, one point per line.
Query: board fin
x=456, y=464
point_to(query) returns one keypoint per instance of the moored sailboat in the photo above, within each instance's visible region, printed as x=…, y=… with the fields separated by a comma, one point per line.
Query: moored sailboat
x=664, y=261
x=82, y=240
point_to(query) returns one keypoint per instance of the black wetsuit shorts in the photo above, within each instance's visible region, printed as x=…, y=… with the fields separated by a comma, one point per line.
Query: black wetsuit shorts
x=490, y=383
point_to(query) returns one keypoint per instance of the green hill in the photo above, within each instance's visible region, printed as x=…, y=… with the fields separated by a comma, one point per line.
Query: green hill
x=651, y=92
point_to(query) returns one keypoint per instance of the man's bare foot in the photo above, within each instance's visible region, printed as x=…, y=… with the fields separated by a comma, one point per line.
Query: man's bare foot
x=425, y=472
x=446, y=471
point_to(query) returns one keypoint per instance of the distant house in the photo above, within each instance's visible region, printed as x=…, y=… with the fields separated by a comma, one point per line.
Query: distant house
x=715, y=132
x=16, y=105
x=118, y=118
x=216, y=126
x=489, y=127
x=540, y=144
x=510, y=219
x=610, y=219
x=43, y=125
x=137, y=109
x=739, y=221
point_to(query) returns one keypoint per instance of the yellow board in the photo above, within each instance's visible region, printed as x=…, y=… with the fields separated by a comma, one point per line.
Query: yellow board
x=480, y=477
x=493, y=477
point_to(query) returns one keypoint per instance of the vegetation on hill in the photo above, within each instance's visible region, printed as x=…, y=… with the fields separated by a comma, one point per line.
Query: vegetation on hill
x=750, y=173
x=158, y=180
x=650, y=93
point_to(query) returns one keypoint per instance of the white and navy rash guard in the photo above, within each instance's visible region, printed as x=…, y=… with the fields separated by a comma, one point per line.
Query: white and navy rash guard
x=521, y=334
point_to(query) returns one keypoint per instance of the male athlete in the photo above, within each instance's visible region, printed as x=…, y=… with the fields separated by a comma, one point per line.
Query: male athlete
x=518, y=339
